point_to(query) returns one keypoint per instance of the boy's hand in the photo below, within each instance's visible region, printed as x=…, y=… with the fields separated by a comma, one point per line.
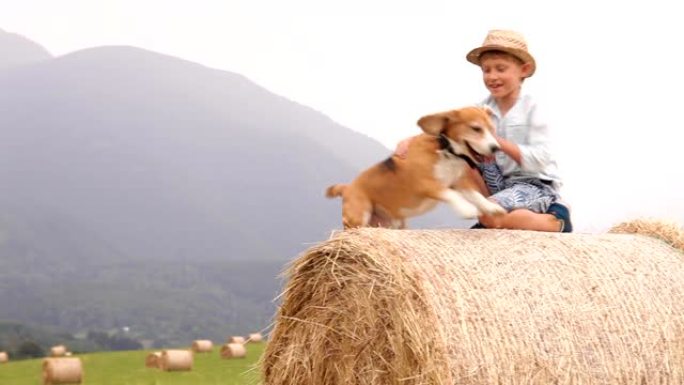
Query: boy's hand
x=510, y=148
x=402, y=147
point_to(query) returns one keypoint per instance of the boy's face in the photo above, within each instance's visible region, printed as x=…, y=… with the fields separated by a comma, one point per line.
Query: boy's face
x=502, y=74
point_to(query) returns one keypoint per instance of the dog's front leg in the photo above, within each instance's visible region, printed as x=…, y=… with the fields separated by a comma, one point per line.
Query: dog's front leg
x=459, y=203
x=470, y=191
x=483, y=204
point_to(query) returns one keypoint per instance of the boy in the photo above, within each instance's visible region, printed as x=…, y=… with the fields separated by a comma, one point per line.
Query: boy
x=523, y=176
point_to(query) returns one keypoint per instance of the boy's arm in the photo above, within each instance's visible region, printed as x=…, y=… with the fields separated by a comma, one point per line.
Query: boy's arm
x=511, y=149
x=535, y=154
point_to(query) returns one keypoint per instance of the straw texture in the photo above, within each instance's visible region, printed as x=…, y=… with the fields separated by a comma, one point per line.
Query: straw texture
x=62, y=370
x=441, y=307
x=507, y=41
x=668, y=231
x=233, y=351
x=176, y=360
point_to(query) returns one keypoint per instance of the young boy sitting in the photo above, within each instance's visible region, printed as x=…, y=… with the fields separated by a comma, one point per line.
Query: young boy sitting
x=523, y=176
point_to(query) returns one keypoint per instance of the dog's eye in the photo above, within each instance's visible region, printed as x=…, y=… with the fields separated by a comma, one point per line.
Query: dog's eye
x=476, y=129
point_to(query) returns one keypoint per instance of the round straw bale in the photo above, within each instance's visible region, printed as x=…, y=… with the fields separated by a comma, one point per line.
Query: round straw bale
x=233, y=351
x=668, y=231
x=153, y=360
x=255, y=337
x=236, y=340
x=58, y=351
x=176, y=360
x=378, y=307
x=202, y=346
x=62, y=370
x=4, y=357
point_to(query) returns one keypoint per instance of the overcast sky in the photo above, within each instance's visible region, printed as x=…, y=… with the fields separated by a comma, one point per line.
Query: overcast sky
x=608, y=76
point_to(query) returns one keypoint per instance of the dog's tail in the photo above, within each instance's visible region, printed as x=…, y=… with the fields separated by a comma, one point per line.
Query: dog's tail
x=335, y=190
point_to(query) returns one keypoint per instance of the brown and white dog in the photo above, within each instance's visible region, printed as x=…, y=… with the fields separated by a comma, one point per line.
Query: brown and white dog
x=435, y=168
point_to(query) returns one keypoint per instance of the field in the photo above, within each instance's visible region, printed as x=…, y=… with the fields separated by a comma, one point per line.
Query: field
x=128, y=368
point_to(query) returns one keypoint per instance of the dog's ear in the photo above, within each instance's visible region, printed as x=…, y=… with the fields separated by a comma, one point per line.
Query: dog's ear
x=433, y=124
x=488, y=110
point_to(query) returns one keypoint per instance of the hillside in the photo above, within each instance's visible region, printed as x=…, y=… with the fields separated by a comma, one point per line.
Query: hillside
x=166, y=159
x=17, y=50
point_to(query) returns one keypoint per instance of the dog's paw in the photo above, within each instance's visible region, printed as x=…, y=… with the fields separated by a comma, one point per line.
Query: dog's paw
x=492, y=208
x=467, y=211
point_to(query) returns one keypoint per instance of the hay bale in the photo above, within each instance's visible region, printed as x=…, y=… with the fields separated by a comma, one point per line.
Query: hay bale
x=233, y=351
x=236, y=340
x=406, y=307
x=255, y=337
x=202, y=346
x=58, y=351
x=668, y=231
x=176, y=360
x=4, y=357
x=153, y=360
x=62, y=370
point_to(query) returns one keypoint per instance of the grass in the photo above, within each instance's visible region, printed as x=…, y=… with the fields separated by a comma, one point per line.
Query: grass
x=128, y=368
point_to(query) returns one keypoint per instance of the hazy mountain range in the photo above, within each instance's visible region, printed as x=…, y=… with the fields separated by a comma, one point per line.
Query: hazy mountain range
x=147, y=191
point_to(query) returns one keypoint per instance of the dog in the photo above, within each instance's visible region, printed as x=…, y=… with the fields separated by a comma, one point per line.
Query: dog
x=435, y=169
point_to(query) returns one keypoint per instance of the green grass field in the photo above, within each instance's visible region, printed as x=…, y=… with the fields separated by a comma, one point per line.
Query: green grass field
x=128, y=368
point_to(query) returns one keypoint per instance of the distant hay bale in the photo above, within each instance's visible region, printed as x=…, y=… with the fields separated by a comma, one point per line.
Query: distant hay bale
x=58, y=351
x=407, y=307
x=255, y=337
x=176, y=360
x=4, y=357
x=236, y=340
x=62, y=370
x=153, y=360
x=233, y=350
x=202, y=346
x=668, y=231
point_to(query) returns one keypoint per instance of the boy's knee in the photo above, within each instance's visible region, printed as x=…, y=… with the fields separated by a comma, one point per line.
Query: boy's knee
x=491, y=222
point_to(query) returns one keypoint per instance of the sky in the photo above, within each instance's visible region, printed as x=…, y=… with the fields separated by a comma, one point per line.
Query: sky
x=608, y=73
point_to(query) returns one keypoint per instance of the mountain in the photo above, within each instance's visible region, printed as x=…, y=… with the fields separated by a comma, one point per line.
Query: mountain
x=16, y=50
x=146, y=191
x=168, y=159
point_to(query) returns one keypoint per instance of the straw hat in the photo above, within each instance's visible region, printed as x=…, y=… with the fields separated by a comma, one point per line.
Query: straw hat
x=507, y=41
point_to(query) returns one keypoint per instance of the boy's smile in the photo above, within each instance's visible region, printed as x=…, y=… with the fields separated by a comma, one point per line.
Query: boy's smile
x=502, y=75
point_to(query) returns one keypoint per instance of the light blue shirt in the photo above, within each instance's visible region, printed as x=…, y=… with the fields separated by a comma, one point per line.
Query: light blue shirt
x=525, y=126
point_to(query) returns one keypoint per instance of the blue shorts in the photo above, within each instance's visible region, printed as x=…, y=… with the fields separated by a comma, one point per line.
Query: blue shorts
x=524, y=193
x=521, y=193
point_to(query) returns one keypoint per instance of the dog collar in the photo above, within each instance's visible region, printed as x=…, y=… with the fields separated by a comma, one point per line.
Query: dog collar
x=445, y=145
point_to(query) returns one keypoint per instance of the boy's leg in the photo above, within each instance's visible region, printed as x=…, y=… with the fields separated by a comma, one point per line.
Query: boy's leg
x=531, y=206
x=490, y=181
x=490, y=178
x=555, y=219
x=523, y=219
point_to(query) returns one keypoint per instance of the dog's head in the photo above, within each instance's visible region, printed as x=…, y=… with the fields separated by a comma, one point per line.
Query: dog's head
x=470, y=131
